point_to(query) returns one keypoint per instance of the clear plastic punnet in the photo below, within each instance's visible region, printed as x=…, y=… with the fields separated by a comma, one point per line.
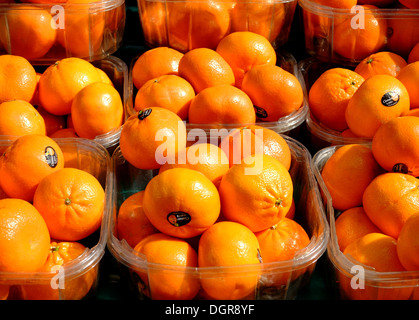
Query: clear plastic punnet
x=186, y=24
x=79, y=278
x=348, y=278
x=278, y=280
x=347, y=36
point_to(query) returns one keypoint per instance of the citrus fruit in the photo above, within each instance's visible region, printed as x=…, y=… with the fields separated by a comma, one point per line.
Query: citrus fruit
x=383, y=62
x=409, y=76
x=408, y=243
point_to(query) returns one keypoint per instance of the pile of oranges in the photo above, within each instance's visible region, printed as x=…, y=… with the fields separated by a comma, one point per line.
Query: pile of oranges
x=355, y=103
x=375, y=193
x=48, y=205
x=238, y=82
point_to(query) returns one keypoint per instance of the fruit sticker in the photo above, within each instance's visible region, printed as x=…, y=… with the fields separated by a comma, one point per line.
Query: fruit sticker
x=51, y=157
x=390, y=99
x=178, y=218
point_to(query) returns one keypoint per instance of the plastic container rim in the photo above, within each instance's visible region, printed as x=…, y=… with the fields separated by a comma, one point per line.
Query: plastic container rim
x=340, y=261
x=91, y=256
x=305, y=257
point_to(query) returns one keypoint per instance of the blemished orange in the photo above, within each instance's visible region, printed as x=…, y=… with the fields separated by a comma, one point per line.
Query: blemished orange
x=26, y=161
x=379, y=252
x=221, y=104
x=413, y=54
x=150, y=137
x=403, y=35
x=178, y=282
x=229, y=244
x=52, y=122
x=379, y=99
x=409, y=76
x=154, y=63
x=274, y=91
x=347, y=173
x=19, y=117
x=196, y=24
x=97, y=109
x=18, y=78
x=206, y=158
x=395, y=145
x=351, y=225
x=61, y=81
x=390, y=199
x=24, y=237
x=75, y=288
x=35, y=24
x=408, y=243
x=72, y=202
x=181, y=202
x=204, y=67
x=83, y=33
x=167, y=91
x=258, y=192
x=366, y=37
x=257, y=139
x=243, y=50
x=132, y=224
x=411, y=4
x=264, y=18
x=329, y=96
x=383, y=62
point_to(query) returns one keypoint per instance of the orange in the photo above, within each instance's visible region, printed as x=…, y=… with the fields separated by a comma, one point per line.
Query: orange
x=167, y=91
x=24, y=237
x=358, y=41
x=203, y=68
x=256, y=193
x=174, y=277
x=243, y=50
x=413, y=54
x=253, y=139
x=351, y=225
x=282, y=242
x=411, y=4
x=383, y=62
x=52, y=122
x=403, y=34
x=153, y=22
x=409, y=76
x=64, y=133
x=61, y=81
x=347, y=173
x=221, y=104
x=395, y=145
x=195, y=24
x=104, y=76
x=26, y=162
x=408, y=243
x=267, y=19
x=206, y=158
x=233, y=246
x=96, y=109
x=72, y=203
x=413, y=112
x=18, y=78
x=390, y=199
x=35, y=24
x=379, y=252
x=19, y=117
x=379, y=99
x=329, y=96
x=132, y=224
x=154, y=63
x=181, y=202
x=274, y=91
x=151, y=136
x=83, y=32
x=60, y=254
x=338, y=4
